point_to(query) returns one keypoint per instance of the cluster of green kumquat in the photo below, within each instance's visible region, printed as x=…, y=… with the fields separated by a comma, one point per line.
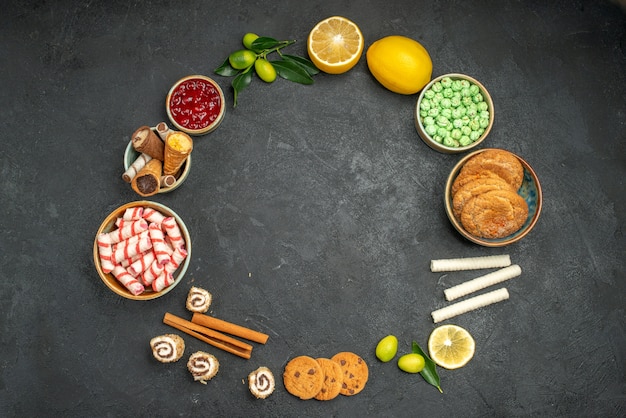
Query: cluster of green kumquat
x=255, y=55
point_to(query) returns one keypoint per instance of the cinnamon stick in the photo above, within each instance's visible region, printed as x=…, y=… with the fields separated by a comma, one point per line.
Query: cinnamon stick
x=209, y=336
x=229, y=328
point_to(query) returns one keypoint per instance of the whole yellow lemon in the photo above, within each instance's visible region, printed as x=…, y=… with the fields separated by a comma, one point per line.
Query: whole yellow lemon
x=400, y=64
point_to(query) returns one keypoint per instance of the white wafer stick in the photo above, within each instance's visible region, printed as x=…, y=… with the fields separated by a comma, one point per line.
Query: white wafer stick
x=469, y=305
x=163, y=130
x=470, y=263
x=482, y=282
x=135, y=167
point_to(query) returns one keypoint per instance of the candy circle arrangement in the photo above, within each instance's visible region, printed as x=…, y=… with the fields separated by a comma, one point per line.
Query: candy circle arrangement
x=454, y=113
x=122, y=257
x=195, y=105
x=530, y=191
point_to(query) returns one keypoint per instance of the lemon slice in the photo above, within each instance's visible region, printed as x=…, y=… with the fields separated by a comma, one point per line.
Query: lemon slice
x=451, y=346
x=335, y=45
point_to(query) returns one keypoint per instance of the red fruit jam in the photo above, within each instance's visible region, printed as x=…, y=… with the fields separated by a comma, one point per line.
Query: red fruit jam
x=195, y=104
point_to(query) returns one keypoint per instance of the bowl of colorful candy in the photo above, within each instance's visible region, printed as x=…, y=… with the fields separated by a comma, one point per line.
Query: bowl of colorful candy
x=142, y=250
x=454, y=113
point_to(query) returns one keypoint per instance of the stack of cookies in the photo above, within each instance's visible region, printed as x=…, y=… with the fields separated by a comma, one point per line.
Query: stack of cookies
x=484, y=195
x=324, y=379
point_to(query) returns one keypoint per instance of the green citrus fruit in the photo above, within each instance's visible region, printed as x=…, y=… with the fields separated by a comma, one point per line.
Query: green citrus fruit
x=265, y=70
x=411, y=363
x=387, y=348
x=248, y=38
x=241, y=59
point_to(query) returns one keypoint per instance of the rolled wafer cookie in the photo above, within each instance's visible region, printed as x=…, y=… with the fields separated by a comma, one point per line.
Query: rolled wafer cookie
x=482, y=282
x=470, y=263
x=178, y=146
x=163, y=130
x=134, y=168
x=148, y=181
x=168, y=180
x=147, y=142
x=469, y=305
x=261, y=382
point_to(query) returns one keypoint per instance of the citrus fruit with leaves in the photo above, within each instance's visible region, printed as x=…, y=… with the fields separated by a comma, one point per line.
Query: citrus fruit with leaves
x=411, y=363
x=242, y=59
x=265, y=70
x=248, y=38
x=239, y=64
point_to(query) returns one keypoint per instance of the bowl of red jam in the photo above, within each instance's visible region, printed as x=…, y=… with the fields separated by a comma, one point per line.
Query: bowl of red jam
x=195, y=105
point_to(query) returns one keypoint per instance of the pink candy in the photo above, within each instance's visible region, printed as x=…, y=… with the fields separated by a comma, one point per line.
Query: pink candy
x=161, y=250
x=144, y=251
x=173, y=232
x=128, y=281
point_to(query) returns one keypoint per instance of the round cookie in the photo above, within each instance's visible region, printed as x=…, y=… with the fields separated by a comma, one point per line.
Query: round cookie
x=475, y=188
x=303, y=377
x=494, y=214
x=355, y=372
x=500, y=162
x=465, y=177
x=333, y=380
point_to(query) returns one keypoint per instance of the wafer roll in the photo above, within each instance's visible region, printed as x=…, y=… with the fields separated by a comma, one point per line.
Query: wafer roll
x=163, y=130
x=178, y=146
x=134, y=168
x=148, y=181
x=168, y=180
x=147, y=142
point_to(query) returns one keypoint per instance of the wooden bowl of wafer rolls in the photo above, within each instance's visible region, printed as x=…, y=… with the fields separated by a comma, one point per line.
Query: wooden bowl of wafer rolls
x=142, y=250
x=493, y=197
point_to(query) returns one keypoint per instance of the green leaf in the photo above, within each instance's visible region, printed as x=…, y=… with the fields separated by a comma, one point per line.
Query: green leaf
x=303, y=62
x=429, y=373
x=226, y=69
x=291, y=71
x=264, y=42
x=240, y=82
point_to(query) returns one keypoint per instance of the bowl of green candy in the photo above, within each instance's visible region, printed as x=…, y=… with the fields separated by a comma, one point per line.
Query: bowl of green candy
x=454, y=113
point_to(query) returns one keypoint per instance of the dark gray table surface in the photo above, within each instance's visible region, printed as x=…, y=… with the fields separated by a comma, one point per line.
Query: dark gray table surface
x=314, y=211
